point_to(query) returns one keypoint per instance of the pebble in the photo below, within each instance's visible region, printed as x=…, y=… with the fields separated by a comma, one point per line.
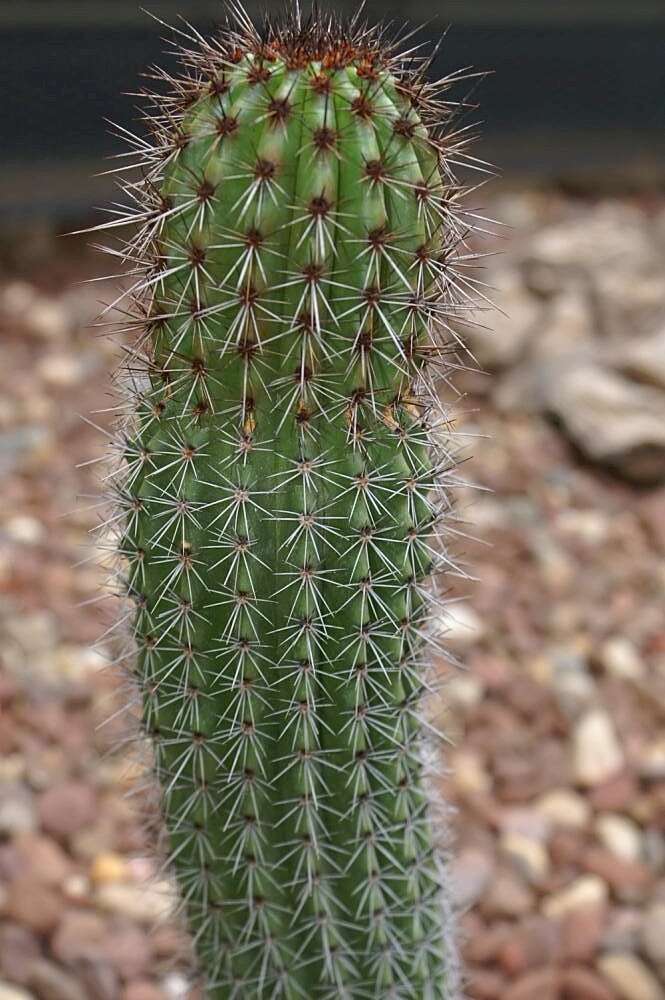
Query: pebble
x=573, y=685
x=630, y=977
x=566, y=846
x=100, y=981
x=652, y=760
x=109, y=867
x=526, y=821
x=128, y=951
x=619, y=656
x=469, y=772
x=19, y=947
x=534, y=942
x=61, y=370
x=542, y=984
x=33, y=904
x=51, y=983
x=528, y=855
x=12, y=766
x=586, y=890
x=470, y=874
x=80, y=935
x=464, y=691
x=653, y=933
x=464, y=627
x=143, y=989
x=143, y=903
x=37, y=314
x=17, y=810
x=24, y=530
x=66, y=808
x=614, y=795
x=620, y=835
x=509, y=329
x=486, y=945
x=8, y=991
x=44, y=858
x=623, y=929
x=564, y=808
x=597, y=754
x=579, y=983
x=177, y=987
x=507, y=896
x=629, y=880
x=582, y=931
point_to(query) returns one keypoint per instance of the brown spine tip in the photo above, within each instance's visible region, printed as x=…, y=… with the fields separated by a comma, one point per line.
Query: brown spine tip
x=279, y=111
x=226, y=125
x=362, y=107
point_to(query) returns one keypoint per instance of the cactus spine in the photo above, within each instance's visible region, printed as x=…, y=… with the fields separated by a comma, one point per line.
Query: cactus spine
x=283, y=497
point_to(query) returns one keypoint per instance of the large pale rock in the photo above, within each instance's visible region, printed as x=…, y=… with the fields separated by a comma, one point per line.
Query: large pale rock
x=630, y=305
x=568, y=327
x=611, y=237
x=613, y=421
x=643, y=358
x=499, y=338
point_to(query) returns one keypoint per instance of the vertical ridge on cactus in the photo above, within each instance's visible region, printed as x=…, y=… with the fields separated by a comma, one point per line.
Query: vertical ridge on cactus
x=299, y=255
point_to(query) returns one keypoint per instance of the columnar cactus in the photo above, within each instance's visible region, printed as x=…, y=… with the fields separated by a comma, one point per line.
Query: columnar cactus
x=283, y=498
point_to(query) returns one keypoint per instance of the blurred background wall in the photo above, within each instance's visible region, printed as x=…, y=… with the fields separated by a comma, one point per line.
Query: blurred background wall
x=572, y=89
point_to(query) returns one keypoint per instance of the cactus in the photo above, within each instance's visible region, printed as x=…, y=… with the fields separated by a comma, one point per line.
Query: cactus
x=298, y=255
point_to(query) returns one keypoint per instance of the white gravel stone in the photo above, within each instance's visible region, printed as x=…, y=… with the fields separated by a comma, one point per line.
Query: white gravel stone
x=143, y=903
x=586, y=891
x=468, y=772
x=176, y=986
x=61, y=370
x=621, y=659
x=463, y=626
x=563, y=807
x=529, y=856
x=630, y=977
x=620, y=835
x=8, y=991
x=463, y=690
x=597, y=754
x=25, y=530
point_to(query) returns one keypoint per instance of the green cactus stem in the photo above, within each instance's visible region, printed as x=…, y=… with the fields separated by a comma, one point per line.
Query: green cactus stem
x=285, y=488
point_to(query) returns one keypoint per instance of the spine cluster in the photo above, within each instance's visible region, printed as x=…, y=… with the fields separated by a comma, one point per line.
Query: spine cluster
x=284, y=499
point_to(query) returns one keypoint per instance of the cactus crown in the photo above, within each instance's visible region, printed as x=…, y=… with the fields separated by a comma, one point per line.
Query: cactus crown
x=299, y=257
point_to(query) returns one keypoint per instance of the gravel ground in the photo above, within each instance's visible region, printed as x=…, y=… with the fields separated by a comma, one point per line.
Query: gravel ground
x=557, y=757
